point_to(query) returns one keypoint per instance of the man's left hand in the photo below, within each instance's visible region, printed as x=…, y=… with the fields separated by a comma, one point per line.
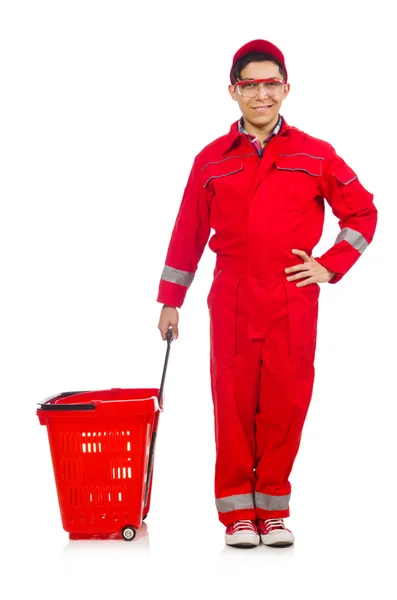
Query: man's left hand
x=310, y=269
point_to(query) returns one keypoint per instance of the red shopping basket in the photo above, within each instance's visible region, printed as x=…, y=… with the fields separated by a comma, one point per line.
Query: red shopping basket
x=102, y=448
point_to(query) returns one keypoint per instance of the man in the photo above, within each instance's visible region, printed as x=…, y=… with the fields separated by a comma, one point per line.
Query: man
x=261, y=187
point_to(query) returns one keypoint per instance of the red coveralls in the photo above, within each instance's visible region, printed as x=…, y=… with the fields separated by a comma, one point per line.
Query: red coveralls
x=263, y=328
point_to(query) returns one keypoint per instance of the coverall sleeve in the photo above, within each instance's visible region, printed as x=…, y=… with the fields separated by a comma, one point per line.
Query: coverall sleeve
x=188, y=240
x=353, y=205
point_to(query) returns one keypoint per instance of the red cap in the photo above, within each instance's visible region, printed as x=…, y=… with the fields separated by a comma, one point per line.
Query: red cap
x=259, y=46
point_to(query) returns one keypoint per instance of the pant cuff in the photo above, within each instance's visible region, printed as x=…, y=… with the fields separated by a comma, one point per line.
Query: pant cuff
x=237, y=515
x=271, y=514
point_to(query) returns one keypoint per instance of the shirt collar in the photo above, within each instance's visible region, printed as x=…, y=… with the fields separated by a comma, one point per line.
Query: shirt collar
x=275, y=131
x=234, y=136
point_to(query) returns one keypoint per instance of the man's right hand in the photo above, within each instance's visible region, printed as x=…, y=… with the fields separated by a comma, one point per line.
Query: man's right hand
x=169, y=317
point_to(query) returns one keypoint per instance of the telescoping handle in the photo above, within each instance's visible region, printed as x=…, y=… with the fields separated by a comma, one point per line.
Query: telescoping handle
x=169, y=340
x=154, y=434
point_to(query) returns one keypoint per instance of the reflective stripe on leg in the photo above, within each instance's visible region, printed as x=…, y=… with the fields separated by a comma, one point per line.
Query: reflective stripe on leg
x=267, y=502
x=236, y=502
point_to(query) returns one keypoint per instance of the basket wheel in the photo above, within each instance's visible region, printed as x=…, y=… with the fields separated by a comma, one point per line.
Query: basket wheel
x=128, y=532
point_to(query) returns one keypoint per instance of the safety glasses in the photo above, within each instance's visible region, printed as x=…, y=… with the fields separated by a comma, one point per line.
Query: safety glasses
x=249, y=88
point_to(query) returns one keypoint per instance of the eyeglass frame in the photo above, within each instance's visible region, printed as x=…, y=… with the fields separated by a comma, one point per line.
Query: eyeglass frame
x=238, y=84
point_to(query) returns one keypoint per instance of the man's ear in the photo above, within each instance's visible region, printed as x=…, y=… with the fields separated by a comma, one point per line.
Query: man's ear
x=232, y=92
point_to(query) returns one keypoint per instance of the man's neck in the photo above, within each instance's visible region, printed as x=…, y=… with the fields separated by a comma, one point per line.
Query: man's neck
x=261, y=133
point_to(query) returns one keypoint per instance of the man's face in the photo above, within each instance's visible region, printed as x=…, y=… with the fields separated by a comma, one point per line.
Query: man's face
x=250, y=106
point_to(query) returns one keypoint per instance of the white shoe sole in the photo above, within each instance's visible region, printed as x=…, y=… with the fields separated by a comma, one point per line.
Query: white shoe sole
x=243, y=540
x=278, y=538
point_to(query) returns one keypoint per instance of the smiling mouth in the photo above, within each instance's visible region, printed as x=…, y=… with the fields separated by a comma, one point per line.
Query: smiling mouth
x=262, y=109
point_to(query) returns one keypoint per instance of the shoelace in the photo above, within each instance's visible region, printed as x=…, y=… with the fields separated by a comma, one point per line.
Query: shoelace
x=239, y=525
x=274, y=524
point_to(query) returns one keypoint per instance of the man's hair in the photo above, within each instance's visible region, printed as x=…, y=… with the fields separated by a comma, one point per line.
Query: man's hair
x=255, y=57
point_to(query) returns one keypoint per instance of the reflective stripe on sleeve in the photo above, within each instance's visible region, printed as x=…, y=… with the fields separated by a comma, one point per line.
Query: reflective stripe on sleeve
x=354, y=238
x=177, y=276
x=267, y=502
x=237, y=502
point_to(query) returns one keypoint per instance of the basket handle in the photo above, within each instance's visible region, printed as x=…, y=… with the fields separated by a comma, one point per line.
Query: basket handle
x=86, y=406
x=91, y=406
x=48, y=406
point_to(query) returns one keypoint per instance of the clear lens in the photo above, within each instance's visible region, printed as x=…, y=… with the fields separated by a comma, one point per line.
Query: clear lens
x=251, y=88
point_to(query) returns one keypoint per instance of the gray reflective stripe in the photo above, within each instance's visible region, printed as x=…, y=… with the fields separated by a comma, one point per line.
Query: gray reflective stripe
x=237, y=502
x=303, y=154
x=177, y=276
x=298, y=169
x=354, y=238
x=349, y=181
x=216, y=162
x=223, y=175
x=267, y=502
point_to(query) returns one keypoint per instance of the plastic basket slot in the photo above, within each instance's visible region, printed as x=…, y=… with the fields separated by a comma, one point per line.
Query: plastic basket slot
x=120, y=469
x=93, y=498
x=90, y=496
x=65, y=443
x=114, y=495
x=99, y=496
x=71, y=469
x=84, y=496
x=119, y=494
x=99, y=441
x=122, y=441
x=103, y=496
x=69, y=442
x=74, y=496
x=90, y=442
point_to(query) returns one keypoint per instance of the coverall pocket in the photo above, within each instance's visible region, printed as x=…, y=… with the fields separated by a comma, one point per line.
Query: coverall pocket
x=302, y=306
x=347, y=182
x=212, y=288
x=224, y=168
x=300, y=176
x=226, y=181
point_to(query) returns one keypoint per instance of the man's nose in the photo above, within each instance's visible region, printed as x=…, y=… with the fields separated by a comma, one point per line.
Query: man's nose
x=261, y=91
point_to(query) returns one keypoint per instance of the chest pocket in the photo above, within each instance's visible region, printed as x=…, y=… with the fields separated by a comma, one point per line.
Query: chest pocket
x=226, y=169
x=228, y=182
x=299, y=180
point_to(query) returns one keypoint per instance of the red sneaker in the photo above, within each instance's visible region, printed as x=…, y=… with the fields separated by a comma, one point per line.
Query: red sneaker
x=274, y=533
x=243, y=534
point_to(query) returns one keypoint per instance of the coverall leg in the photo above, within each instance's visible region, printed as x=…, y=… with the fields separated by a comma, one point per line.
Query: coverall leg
x=261, y=391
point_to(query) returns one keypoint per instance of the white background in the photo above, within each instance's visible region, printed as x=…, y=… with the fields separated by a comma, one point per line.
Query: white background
x=104, y=106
